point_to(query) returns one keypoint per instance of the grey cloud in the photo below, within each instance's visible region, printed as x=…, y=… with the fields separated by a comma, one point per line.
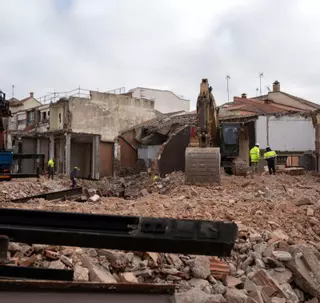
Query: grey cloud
x=108, y=44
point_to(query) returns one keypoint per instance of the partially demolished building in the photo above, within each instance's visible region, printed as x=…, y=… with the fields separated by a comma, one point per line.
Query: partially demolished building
x=76, y=131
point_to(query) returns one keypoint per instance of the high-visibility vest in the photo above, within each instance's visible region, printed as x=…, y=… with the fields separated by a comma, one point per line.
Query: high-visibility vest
x=255, y=154
x=51, y=163
x=270, y=154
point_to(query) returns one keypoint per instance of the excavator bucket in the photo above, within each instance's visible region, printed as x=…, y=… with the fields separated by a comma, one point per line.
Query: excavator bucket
x=202, y=166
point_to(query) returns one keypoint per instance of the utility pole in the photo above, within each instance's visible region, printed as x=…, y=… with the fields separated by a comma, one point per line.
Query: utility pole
x=260, y=75
x=228, y=77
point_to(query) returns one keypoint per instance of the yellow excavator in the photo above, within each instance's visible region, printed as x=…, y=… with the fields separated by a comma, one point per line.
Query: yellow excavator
x=212, y=144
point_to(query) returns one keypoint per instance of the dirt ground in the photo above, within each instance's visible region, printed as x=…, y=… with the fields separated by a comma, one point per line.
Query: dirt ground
x=265, y=203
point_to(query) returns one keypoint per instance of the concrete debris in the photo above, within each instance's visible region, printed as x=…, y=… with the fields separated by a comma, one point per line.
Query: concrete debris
x=80, y=273
x=201, y=267
x=94, y=198
x=276, y=257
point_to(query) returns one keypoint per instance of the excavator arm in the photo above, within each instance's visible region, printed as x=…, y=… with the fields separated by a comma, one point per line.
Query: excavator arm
x=202, y=166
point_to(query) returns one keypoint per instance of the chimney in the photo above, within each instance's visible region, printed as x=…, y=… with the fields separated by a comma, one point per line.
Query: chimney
x=31, y=95
x=244, y=96
x=276, y=86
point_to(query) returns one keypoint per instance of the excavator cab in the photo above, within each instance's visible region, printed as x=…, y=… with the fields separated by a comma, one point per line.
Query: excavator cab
x=229, y=139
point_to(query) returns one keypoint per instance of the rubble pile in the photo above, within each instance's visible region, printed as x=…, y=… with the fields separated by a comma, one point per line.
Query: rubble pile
x=276, y=258
x=262, y=268
x=133, y=186
x=21, y=188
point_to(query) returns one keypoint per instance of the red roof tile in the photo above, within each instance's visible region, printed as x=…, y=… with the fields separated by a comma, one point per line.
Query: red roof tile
x=259, y=107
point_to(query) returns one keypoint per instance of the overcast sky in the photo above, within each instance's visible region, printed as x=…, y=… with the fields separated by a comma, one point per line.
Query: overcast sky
x=166, y=44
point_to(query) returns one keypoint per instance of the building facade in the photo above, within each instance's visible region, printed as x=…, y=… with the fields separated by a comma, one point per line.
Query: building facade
x=76, y=131
x=165, y=101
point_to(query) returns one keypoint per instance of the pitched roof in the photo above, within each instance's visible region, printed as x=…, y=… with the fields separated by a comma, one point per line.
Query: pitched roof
x=304, y=101
x=259, y=107
x=13, y=102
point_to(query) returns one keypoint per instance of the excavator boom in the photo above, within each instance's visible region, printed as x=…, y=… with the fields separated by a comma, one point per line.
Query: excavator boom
x=202, y=157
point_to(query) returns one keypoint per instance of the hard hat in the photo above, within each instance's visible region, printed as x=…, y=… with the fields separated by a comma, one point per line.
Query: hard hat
x=76, y=168
x=257, y=144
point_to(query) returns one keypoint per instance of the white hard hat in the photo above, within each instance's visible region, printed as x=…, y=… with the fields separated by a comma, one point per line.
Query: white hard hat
x=257, y=144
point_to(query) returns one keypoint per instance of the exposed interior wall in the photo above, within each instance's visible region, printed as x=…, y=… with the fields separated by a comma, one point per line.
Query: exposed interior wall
x=165, y=101
x=44, y=149
x=106, y=159
x=108, y=114
x=128, y=155
x=171, y=156
x=29, y=146
x=81, y=157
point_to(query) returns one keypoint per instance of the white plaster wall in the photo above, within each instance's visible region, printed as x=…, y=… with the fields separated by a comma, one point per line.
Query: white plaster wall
x=279, y=97
x=165, y=101
x=108, y=114
x=286, y=133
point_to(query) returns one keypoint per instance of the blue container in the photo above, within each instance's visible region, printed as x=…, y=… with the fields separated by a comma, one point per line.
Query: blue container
x=6, y=159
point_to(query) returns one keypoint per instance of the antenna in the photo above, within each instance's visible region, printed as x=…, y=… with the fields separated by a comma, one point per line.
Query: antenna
x=260, y=75
x=12, y=90
x=268, y=88
x=228, y=77
x=257, y=90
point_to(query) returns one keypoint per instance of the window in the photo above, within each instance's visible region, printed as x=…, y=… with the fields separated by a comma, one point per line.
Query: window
x=21, y=122
x=48, y=113
x=44, y=116
x=31, y=116
x=60, y=118
x=230, y=135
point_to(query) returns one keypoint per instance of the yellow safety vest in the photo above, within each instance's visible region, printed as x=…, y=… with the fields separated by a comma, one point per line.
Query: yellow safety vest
x=270, y=154
x=255, y=154
x=51, y=163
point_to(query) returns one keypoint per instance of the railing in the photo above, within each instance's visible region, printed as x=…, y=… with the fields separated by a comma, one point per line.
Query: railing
x=53, y=97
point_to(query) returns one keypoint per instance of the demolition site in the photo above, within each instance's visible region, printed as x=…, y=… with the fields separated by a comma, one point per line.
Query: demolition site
x=132, y=196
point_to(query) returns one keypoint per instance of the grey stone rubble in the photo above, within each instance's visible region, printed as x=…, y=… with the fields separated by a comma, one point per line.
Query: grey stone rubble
x=263, y=268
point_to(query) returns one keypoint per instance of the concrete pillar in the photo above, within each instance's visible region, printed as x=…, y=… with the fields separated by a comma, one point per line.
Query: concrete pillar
x=38, y=152
x=51, y=146
x=67, y=160
x=95, y=169
x=61, y=155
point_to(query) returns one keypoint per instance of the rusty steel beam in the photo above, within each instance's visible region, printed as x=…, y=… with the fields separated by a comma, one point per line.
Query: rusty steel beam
x=66, y=193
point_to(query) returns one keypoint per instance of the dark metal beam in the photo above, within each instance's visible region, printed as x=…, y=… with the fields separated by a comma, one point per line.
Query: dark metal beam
x=82, y=287
x=28, y=156
x=17, y=272
x=52, y=195
x=214, y=238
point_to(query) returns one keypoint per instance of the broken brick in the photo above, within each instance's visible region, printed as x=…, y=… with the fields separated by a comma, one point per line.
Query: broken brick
x=51, y=254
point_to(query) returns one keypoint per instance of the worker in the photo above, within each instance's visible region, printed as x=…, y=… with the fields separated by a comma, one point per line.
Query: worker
x=255, y=157
x=270, y=156
x=73, y=176
x=51, y=168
